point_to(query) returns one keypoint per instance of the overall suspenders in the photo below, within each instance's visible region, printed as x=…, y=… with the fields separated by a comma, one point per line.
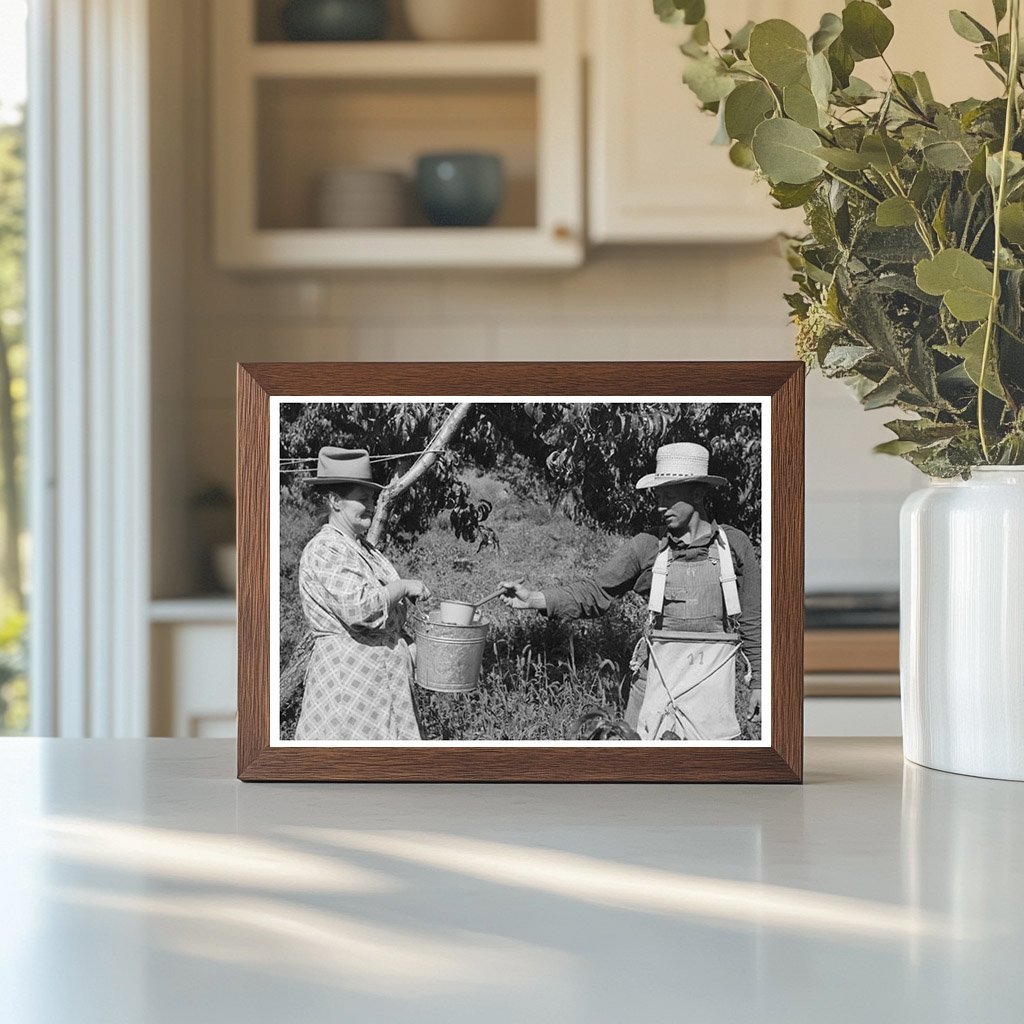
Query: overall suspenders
x=727, y=577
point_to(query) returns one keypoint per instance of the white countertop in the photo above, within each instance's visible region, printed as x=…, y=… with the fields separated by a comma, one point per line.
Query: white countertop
x=144, y=885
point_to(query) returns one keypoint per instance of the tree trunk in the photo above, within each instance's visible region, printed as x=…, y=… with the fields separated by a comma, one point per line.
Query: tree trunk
x=400, y=484
x=11, y=492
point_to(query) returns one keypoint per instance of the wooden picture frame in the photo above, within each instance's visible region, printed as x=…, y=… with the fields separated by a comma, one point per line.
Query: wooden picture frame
x=778, y=758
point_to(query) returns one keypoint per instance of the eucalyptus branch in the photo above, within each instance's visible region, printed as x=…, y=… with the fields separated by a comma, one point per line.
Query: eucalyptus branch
x=853, y=185
x=923, y=228
x=993, y=308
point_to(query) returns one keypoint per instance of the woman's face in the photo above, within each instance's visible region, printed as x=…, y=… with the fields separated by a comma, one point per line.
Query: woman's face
x=352, y=508
x=677, y=503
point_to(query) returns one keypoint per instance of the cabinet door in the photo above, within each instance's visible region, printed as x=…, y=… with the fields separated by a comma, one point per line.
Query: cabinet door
x=653, y=174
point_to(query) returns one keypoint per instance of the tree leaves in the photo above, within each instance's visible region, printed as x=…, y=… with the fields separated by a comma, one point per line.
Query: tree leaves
x=785, y=152
x=866, y=29
x=963, y=281
x=779, y=51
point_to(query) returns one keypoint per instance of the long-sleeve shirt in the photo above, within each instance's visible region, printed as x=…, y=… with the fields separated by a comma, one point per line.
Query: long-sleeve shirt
x=630, y=569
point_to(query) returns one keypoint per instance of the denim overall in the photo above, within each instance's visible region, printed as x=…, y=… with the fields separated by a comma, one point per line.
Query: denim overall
x=684, y=684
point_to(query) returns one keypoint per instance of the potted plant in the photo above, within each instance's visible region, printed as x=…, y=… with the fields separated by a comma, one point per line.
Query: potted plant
x=909, y=285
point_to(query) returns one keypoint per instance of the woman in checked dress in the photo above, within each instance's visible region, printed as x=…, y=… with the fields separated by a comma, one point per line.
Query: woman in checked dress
x=359, y=676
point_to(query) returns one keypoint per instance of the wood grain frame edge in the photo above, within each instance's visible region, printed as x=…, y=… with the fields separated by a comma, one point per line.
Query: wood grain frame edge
x=252, y=487
x=258, y=761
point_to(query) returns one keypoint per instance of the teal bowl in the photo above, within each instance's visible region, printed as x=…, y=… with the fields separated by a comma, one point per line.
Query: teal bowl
x=333, y=21
x=462, y=190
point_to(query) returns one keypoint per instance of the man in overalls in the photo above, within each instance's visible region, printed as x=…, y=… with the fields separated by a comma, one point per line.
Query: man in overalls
x=702, y=583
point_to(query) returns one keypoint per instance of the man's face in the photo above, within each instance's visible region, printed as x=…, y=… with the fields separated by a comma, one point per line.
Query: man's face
x=677, y=503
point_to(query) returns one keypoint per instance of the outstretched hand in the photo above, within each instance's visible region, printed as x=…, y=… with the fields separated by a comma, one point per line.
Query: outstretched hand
x=515, y=594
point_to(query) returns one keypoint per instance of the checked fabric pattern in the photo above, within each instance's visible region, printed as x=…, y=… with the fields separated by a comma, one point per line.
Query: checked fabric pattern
x=358, y=679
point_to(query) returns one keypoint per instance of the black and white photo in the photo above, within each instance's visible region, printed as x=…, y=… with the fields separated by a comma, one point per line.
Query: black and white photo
x=540, y=570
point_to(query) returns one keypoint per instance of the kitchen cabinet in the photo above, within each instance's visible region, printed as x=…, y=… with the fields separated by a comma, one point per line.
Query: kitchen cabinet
x=193, y=667
x=653, y=175
x=286, y=113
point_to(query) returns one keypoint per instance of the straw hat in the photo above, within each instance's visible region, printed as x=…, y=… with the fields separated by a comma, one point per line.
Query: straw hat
x=681, y=463
x=343, y=466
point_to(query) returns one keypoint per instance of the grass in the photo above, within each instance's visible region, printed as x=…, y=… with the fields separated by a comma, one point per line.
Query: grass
x=539, y=675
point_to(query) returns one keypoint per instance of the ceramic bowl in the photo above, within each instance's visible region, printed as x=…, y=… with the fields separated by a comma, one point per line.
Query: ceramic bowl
x=461, y=189
x=470, y=20
x=334, y=20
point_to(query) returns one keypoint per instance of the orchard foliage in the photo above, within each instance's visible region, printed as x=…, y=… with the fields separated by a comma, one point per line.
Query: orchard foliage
x=583, y=457
x=910, y=280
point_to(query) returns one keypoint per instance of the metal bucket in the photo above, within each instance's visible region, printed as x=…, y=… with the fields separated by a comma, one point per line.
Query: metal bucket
x=448, y=657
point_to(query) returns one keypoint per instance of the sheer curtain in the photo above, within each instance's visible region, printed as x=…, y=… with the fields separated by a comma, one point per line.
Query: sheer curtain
x=88, y=302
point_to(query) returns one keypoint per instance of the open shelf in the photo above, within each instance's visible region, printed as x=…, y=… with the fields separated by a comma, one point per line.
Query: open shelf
x=308, y=127
x=393, y=60
x=519, y=20
x=287, y=113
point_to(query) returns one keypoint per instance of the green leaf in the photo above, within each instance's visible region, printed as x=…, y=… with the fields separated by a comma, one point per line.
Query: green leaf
x=999, y=7
x=1014, y=169
x=739, y=41
x=885, y=394
x=1011, y=225
x=946, y=156
x=844, y=159
x=789, y=197
x=939, y=220
x=921, y=185
x=858, y=91
x=830, y=28
x=895, y=447
x=820, y=75
x=800, y=105
x=866, y=29
x=883, y=153
x=923, y=431
x=778, y=50
x=785, y=152
x=708, y=81
x=742, y=155
x=895, y=213
x=968, y=28
x=971, y=352
x=676, y=12
x=841, y=61
x=701, y=33
x=976, y=174
x=963, y=281
x=745, y=108
x=924, y=88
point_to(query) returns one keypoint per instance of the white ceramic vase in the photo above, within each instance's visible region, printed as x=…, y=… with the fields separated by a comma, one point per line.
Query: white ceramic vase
x=962, y=624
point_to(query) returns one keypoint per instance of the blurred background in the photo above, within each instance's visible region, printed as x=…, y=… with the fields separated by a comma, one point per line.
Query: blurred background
x=251, y=180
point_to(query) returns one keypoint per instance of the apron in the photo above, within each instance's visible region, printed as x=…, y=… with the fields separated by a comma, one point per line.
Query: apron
x=688, y=653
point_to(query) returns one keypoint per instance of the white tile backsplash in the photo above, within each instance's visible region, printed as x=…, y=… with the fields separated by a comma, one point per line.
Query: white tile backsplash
x=718, y=302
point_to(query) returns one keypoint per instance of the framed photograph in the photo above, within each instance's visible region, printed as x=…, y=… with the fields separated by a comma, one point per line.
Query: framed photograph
x=520, y=572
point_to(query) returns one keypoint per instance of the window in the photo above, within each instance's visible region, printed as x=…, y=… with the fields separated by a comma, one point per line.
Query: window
x=14, y=704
